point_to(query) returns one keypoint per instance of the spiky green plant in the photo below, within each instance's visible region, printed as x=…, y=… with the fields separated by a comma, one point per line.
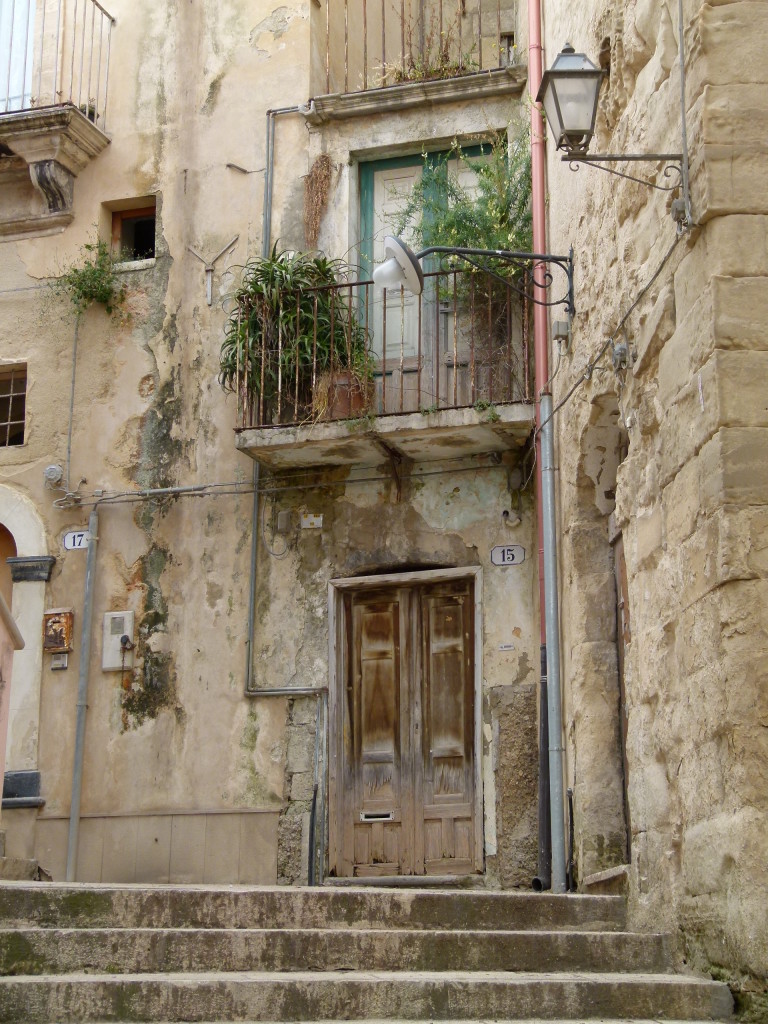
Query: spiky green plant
x=289, y=325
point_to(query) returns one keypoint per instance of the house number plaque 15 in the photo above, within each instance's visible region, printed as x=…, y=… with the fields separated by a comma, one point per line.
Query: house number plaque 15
x=507, y=554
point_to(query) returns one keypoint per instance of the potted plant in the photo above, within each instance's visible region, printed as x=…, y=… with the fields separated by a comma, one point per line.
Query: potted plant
x=293, y=341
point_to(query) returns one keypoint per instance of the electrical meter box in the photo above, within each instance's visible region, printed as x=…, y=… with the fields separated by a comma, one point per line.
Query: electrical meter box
x=116, y=653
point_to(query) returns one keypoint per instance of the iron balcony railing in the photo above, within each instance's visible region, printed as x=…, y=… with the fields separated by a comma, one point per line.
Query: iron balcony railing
x=351, y=351
x=374, y=43
x=55, y=52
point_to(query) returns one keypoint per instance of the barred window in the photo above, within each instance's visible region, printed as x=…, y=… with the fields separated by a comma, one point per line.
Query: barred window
x=13, y=398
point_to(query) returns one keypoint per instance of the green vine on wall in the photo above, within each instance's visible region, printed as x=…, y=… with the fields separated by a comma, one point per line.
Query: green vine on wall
x=93, y=280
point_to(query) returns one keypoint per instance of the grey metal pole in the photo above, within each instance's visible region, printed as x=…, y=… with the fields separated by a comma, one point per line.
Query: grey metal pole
x=82, y=695
x=552, y=618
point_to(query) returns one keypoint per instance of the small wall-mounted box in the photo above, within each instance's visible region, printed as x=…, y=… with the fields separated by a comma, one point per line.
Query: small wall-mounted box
x=116, y=652
x=311, y=521
x=57, y=630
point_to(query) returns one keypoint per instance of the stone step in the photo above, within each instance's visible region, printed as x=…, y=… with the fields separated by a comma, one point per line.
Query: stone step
x=411, y=995
x=149, y=950
x=136, y=906
x=17, y=869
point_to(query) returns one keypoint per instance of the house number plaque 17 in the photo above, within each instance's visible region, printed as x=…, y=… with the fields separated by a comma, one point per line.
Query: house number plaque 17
x=507, y=554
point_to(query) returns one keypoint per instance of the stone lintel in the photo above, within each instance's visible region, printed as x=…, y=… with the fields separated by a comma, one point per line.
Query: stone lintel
x=31, y=568
x=389, y=98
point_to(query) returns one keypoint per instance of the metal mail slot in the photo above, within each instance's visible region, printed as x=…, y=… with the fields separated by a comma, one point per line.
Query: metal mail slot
x=377, y=815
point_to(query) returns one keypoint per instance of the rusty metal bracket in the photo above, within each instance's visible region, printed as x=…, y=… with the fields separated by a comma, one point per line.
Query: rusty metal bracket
x=395, y=465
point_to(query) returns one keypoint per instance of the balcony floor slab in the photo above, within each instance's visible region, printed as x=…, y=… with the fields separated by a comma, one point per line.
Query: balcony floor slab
x=419, y=437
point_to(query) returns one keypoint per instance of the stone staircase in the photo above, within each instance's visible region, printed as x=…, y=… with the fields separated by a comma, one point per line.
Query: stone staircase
x=169, y=953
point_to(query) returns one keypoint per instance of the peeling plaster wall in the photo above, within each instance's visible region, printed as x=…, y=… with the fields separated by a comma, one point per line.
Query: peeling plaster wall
x=691, y=493
x=185, y=778
x=449, y=519
x=174, y=733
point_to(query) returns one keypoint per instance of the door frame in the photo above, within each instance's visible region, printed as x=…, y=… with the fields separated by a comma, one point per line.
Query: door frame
x=337, y=669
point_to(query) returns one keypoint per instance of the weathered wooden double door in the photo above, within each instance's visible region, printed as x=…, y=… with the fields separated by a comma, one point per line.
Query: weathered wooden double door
x=406, y=782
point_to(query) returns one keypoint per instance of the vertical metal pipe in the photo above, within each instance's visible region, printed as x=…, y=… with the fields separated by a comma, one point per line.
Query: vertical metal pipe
x=418, y=353
x=384, y=351
x=498, y=35
x=312, y=867
x=252, y=579
x=314, y=342
x=683, y=128
x=24, y=99
x=90, y=62
x=550, y=627
x=98, y=72
x=455, y=343
x=323, y=783
x=55, y=87
x=402, y=344
x=346, y=45
x=72, y=60
x=472, y=361
x=106, y=71
x=280, y=360
x=437, y=354
x=40, y=55
x=82, y=695
x=402, y=34
x=82, y=60
x=296, y=356
x=543, y=879
x=365, y=45
x=552, y=618
x=10, y=63
x=328, y=46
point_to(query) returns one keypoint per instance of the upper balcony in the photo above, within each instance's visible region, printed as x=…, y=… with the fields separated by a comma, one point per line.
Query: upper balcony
x=351, y=375
x=54, y=75
x=374, y=55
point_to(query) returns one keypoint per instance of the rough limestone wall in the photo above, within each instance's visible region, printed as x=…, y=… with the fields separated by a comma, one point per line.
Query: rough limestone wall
x=692, y=492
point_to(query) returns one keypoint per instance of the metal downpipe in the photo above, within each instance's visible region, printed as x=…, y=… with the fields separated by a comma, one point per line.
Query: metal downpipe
x=82, y=695
x=543, y=879
x=548, y=607
x=266, y=237
x=552, y=612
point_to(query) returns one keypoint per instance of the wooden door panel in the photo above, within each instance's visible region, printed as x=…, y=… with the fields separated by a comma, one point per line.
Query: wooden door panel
x=373, y=801
x=448, y=754
x=408, y=744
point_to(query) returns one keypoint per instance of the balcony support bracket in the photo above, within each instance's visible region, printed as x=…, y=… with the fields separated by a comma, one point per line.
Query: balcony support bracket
x=395, y=466
x=54, y=183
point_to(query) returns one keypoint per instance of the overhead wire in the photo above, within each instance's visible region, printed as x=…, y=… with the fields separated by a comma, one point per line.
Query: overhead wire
x=592, y=365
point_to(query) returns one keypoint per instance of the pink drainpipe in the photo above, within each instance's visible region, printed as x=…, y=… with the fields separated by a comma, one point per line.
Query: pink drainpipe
x=541, y=354
x=545, y=469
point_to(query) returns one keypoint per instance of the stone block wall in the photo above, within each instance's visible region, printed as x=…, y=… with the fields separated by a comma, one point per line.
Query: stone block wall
x=691, y=493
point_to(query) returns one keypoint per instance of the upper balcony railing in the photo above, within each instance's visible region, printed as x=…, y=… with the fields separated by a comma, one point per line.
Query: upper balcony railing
x=375, y=43
x=351, y=351
x=55, y=52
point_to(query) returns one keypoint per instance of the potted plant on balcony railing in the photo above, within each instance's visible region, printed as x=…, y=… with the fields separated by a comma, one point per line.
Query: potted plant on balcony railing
x=294, y=348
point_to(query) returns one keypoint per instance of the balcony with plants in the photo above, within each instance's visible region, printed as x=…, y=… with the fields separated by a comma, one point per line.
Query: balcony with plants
x=378, y=55
x=327, y=368
x=54, y=76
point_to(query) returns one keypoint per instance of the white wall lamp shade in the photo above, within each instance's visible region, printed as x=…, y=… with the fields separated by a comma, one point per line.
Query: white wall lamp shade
x=569, y=92
x=400, y=269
